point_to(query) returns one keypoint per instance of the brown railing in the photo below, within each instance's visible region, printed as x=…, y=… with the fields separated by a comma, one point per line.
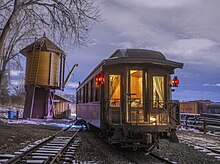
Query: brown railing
x=160, y=114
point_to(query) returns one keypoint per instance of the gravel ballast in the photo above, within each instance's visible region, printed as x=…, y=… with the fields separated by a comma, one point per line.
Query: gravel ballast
x=93, y=149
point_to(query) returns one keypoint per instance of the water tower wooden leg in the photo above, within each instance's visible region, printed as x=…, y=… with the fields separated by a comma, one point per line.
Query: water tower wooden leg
x=50, y=105
x=32, y=102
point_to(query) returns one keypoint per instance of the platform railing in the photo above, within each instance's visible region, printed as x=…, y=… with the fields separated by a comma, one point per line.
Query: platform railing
x=161, y=114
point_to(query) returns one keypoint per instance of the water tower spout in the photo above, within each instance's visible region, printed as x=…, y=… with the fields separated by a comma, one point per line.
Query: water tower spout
x=69, y=75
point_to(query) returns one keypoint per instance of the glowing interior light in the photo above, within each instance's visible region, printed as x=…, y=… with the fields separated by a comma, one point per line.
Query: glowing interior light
x=152, y=119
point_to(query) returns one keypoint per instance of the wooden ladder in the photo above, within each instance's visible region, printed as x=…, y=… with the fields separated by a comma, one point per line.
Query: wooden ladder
x=33, y=68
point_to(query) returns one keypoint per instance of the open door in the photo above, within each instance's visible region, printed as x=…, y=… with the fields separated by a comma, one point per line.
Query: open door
x=134, y=105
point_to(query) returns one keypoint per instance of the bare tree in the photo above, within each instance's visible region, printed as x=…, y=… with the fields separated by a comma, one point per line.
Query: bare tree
x=18, y=96
x=23, y=20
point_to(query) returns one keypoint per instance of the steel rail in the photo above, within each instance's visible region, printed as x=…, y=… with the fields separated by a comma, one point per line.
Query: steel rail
x=59, y=154
x=131, y=158
x=209, y=147
x=161, y=158
x=213, y=150
x=128, y=156
x=22, y=155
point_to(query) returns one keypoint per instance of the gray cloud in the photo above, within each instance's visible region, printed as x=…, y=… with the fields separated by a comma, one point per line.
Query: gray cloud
x=186, y=31
x=161, y=3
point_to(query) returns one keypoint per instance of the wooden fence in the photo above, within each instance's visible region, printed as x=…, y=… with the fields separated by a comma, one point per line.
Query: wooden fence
x=203, y=122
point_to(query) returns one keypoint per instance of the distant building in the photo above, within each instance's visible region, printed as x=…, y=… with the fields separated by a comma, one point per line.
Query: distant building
x=61, y=107
x=194, y=107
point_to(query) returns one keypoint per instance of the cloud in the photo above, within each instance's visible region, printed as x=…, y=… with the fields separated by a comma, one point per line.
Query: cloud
x=16, y=82
x=212, y=85
x=190, y=47
x=73, y=85
x=163, y=4
x=187, y=95
x=123, y=45
x=185, y=31
x=16, y=73
x=193, y=51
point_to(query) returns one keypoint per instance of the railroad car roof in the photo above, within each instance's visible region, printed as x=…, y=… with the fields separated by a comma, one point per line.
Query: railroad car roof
x=47, y=45
x=140, y=56
x=62, y=97
x=214, y=105
x=133, y=56
x=138, y=53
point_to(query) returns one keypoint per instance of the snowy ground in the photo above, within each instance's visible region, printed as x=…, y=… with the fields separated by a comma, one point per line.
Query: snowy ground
x=201, y=142
x=4, y=118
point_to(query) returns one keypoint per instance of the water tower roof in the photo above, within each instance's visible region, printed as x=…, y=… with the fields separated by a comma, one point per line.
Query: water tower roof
x=44, y=43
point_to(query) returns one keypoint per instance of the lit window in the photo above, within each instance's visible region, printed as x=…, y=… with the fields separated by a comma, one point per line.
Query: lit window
x=158, y=91
x=136, y=88
x=114, y=90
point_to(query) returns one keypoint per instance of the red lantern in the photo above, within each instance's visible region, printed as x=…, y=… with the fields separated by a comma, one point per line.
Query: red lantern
x=100, y=79
x=175, y=82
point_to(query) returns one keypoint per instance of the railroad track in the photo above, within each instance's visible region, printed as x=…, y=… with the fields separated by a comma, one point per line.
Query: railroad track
x=208, y=147
x=134, y=157
x=138, y=157
x=59, y=148
x=165, y=160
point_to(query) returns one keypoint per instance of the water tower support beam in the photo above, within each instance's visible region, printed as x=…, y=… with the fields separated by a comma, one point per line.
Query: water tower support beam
x=50, y=106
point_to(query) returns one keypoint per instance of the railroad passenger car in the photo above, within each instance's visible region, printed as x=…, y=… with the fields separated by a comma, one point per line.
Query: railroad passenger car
x=128, y=96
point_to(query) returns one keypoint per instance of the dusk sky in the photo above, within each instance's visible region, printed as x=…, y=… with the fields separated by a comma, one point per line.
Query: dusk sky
x=186, y=31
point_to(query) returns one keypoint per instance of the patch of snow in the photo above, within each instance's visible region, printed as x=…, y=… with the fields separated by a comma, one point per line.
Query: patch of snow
x=205, y=151
x=197, y=147
x=212, y=154
x=61, y=125
x=37, y=122
x=4, y=118
x=22, y=122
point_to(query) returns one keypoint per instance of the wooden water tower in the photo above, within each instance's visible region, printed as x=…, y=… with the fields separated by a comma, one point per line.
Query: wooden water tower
x=45, y=65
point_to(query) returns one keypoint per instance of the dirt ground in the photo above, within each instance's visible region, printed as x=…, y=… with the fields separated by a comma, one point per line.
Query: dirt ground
x=16, y=136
